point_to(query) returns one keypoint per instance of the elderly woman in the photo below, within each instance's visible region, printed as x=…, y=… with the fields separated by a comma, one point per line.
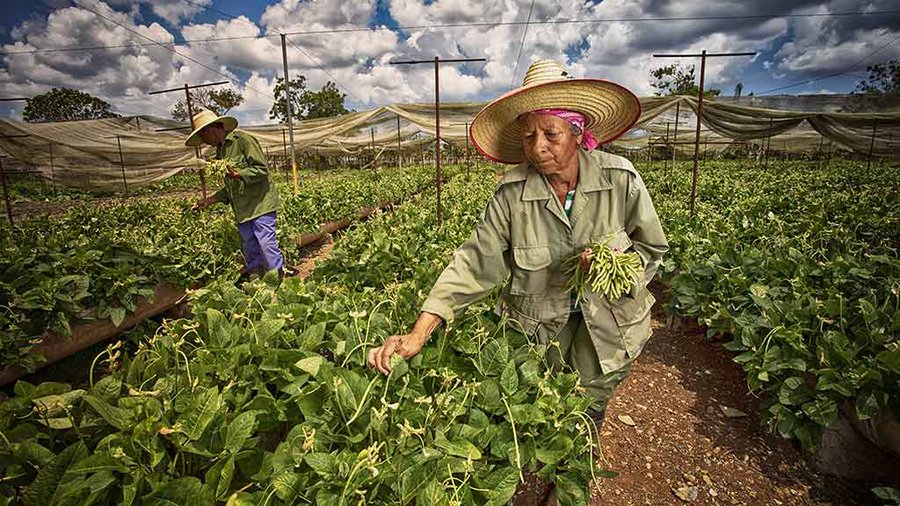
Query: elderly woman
x=563, y=196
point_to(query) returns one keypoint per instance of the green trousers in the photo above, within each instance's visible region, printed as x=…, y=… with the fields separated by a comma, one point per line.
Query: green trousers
x=576, y=351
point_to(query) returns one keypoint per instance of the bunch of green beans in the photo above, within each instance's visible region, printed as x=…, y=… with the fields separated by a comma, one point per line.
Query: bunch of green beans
x=611, y=273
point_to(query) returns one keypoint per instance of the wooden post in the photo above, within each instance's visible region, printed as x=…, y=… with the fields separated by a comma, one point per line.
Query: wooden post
x=703, y=55
x=290, y=118
x=52, y=169
x=437, y=134
x=122, y=162
x=697, y=136
x=467, y=150
x=872, y=142
x=9, y=214
x=190, y=107
x=675, y=135
x=819, y=154
x=374, y=165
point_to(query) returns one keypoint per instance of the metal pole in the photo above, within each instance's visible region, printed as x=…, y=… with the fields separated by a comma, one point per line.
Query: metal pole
x=437, y=134
x=872, y=142
x=467, y=150
x=122, y=162
x=9, y=214
x=697, y=136
x=190, y=108
x=290, y=119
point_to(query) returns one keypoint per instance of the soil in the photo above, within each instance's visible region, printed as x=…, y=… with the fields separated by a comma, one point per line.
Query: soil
x=667, y=434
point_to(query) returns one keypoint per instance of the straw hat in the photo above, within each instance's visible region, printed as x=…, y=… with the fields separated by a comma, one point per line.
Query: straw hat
x=610, y=109
x=205, y=118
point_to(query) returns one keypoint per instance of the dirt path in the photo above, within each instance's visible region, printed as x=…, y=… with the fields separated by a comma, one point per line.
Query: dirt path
x=682, y=449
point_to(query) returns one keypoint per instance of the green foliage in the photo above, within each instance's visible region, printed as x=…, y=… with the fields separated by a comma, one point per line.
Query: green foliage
x=798, y=268
x=97, y=262
x=64, y=104
x=307, y=104
x=217, y=100
x=884, y=79
x=678, y=79
x=265, y=397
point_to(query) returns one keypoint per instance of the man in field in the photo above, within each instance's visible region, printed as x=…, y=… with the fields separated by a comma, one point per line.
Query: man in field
x=247, y=189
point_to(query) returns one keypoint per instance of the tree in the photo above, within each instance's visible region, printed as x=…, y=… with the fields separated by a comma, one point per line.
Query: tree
x=677, y=79
x=279, y=108
x=322, y=104
x=307, y=104
x=219, y=101
x=884, y=79
x=64, y=104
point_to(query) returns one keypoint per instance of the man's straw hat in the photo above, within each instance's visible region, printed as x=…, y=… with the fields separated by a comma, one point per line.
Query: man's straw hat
x=611, y=109
x=205, y=118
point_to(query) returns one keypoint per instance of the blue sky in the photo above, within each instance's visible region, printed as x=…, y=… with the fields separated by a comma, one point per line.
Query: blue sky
x=802, y=40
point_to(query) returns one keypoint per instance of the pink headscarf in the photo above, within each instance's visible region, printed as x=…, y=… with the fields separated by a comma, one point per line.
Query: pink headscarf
x=589, y=142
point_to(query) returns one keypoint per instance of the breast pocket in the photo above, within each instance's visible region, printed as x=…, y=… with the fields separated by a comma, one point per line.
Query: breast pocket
x=530, y=273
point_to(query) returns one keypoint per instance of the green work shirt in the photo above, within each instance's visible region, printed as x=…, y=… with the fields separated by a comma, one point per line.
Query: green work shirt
x=526, y=236
x=252, y=195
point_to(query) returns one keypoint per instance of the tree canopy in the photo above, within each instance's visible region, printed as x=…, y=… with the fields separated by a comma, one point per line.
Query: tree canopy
x=884, y=79
x=307, y=104
x=64, y=104
x=217, y=100
x=677, y=79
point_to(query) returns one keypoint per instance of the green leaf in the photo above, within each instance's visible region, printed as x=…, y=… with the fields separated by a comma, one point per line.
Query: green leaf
x=239, y=430
x=399, y=367
x=310, y=365
x=322, y=463
x=458, y=447
x=555, y=450
x=43, y=490
x=286, y=486
x=571, y=491
x=499, y=487
x=96, y=463
x=115, y=416
x=187, y=491
x=509, y=380
x=205, y=408
x=117, y=315
x=312, y=337
x=888, y=494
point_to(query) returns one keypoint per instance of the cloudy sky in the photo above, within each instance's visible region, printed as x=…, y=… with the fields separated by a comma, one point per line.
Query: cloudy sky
x=121, y=49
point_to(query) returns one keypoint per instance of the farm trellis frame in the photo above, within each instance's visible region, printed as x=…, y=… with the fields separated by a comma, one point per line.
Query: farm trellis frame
x=187, y=97
x=703, y=55
x=437, y=113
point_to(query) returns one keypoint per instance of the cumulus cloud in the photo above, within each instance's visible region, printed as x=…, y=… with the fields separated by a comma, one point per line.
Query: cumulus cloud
x=345, y=39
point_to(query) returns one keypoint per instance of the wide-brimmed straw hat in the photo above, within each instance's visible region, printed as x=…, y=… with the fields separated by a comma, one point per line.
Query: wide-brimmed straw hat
x=205, y=118
x=610, y=109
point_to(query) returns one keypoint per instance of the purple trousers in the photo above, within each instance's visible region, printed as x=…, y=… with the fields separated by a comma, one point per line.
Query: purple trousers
x=261, y=251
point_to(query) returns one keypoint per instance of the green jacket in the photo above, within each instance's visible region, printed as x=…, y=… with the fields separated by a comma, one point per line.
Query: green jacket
x=526, y=236
x=252, y=195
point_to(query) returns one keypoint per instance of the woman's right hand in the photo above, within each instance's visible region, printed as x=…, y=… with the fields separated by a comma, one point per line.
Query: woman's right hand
x=407, y=346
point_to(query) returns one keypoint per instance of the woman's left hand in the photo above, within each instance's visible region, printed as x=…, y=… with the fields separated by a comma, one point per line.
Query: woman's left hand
x=586, y=258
